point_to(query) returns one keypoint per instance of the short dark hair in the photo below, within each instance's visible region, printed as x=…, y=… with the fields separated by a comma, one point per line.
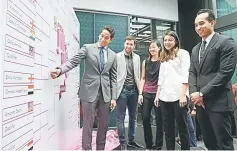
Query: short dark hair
x=130, y=38
x=211, y=15
x=110, y=30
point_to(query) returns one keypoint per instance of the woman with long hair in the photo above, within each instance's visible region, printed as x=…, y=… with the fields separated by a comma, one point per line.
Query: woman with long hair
x=172, y=90
x=147, y=93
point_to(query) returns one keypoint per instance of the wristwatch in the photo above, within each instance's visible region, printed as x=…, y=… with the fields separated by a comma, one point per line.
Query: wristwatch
x=200, y=94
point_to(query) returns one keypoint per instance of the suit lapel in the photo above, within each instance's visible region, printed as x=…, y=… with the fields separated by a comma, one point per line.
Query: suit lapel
x=134, y=65
x=108, y=58
x=123, y=60
x=209, y=47
x=97, y=56
x=196, y=56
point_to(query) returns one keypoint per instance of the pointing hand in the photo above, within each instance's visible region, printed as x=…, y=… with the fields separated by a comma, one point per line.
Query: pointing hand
x=55, y=73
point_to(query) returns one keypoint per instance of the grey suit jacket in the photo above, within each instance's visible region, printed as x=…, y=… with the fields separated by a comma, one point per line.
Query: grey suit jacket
x=213, y=75
x=122, y=72
x=92, y=78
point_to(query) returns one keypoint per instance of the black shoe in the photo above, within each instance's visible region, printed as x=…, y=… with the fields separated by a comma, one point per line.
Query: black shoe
x=134, y=144
x=123, y=147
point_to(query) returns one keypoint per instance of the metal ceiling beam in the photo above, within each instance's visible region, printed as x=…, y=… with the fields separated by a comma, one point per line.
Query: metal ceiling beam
x=140, y=23
x=141, y=30
x=147, y=38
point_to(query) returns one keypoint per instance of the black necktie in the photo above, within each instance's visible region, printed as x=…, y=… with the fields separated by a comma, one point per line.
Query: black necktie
x=202, y=50
x=102, y=59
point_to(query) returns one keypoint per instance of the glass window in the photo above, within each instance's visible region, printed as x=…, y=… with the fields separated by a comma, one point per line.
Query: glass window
x=163, y=27
x=146, y=29
x=141, y=29
x=225, y=7
x=233, y=34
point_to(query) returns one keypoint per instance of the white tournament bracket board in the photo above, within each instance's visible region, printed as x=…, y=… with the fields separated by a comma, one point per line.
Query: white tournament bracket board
x=37, y=112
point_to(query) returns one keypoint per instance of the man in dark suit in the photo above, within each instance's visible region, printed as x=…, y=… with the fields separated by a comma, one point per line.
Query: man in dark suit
x=213, y=63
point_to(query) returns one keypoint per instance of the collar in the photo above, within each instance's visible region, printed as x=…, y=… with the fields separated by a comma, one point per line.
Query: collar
x=126, y=54
x=208, y=39
x=105, y=48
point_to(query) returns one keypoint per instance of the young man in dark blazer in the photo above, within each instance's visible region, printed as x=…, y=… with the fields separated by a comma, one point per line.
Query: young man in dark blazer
x=213, y=63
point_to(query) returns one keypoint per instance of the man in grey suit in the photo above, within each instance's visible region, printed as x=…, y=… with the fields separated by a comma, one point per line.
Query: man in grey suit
x=213, y=63
x=128, y=78
x=98, y=86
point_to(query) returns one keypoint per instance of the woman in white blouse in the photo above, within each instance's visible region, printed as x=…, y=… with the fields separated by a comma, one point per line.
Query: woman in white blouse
x=172, y=90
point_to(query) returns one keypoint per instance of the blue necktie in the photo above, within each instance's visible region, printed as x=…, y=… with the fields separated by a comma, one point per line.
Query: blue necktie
x=102, y=59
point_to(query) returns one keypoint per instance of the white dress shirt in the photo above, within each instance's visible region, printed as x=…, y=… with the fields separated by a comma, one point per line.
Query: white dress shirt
x=208, y=39
x=105, y=52
x=173, y=74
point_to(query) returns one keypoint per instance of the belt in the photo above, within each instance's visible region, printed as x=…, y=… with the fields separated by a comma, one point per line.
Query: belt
x=130, y=86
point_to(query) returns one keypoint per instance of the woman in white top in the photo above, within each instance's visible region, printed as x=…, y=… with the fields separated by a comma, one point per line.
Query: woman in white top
x=172, y=90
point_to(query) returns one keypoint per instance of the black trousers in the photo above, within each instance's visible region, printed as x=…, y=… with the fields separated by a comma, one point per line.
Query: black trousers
x=198, y=129
x=171, y=111
x=233, y=126
x=148, y=104
x=216, y=129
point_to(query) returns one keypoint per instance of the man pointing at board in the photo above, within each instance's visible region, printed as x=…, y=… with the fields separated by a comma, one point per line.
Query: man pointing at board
x=98, y=87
